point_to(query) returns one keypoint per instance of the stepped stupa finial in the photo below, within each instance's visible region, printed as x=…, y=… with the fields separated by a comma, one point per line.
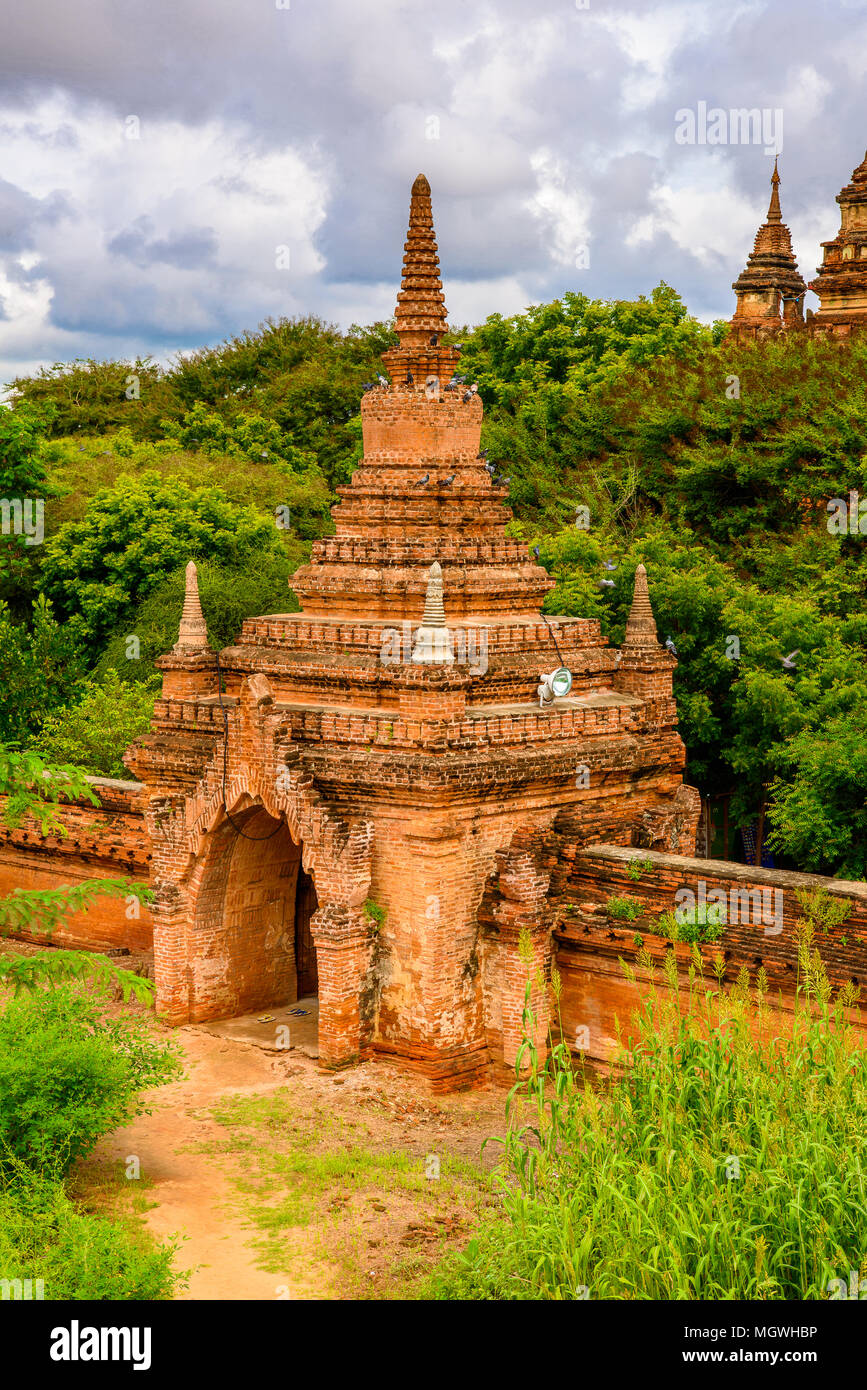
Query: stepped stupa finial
x=193, y=632
x=420, y=316
x=641, y=624
x=433, y=641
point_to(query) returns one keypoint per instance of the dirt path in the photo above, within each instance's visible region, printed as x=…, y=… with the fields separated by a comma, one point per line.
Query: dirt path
x=363, y=1139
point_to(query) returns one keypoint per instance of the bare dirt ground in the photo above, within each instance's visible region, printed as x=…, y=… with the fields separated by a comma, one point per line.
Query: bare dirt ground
x=284, y=1181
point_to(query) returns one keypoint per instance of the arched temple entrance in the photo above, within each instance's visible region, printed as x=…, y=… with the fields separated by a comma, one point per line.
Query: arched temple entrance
x=252, y=945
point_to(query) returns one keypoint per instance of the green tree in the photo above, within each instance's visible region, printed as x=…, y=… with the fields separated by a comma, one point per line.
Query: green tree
x=96, y=570
x=39, y=665
x=95, y=731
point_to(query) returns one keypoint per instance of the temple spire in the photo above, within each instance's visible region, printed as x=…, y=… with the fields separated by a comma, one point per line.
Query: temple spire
x=193, y=632
x=420, y=316
x=641, y=624
x=774, y=211
x=421, y=310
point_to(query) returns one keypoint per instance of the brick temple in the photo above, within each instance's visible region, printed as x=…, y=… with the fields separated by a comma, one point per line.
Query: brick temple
x=359, y=801
x=770, y=290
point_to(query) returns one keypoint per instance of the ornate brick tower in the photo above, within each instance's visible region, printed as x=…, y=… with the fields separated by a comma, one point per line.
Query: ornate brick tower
x=771, y=280
x=331, y=820
x=842, y=276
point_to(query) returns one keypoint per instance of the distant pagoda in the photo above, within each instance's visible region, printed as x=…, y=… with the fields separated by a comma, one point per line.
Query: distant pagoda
x=842, y=276
x=770, y=289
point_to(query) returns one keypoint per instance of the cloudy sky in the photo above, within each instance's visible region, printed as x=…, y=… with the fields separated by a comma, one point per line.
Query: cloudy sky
x=173, y=172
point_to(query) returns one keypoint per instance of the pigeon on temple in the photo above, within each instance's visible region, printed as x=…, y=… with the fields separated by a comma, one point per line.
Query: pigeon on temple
x=536, y=551
x=482, y=454
x=447, y=482
x=383, y=381
x=669, y=645
x=410, y=379
x=788, y=662
x=467, y=396
x=421, y=482
x=368, y=385
x=434, y=339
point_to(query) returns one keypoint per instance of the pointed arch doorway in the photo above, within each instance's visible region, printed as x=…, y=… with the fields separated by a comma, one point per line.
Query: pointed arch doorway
x=251, y=946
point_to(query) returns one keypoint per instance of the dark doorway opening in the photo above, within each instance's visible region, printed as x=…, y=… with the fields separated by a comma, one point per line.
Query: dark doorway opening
x=306, y=903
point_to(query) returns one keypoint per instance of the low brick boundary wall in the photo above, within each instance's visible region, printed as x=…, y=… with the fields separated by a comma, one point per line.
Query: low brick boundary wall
x=108, y=841
x=760, y=930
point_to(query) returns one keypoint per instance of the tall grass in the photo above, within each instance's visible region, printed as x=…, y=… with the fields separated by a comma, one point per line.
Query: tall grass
x=726, y=1160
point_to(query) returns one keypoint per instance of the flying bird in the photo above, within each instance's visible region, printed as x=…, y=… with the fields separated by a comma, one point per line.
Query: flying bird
x=669, y=645
x=368, y=385
x=606, y=584
x=421, y=482
x=609, y=565
x=788, y=662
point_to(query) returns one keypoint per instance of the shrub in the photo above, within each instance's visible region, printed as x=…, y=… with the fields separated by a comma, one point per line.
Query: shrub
x=636, y=867
x=624, y=909
x=44, y=1236
x=68, y=1075
x=703, y=922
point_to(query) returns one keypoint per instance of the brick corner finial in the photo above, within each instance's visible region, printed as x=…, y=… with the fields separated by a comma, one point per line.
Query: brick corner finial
x=641, y=624
x=193, y=631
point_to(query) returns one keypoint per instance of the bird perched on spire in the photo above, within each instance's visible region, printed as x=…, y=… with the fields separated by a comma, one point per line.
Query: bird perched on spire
x=669, y=645
x=422, y=481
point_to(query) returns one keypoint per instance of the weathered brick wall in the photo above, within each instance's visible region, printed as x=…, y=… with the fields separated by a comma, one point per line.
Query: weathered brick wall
x=109, y=841
x=762, y=913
